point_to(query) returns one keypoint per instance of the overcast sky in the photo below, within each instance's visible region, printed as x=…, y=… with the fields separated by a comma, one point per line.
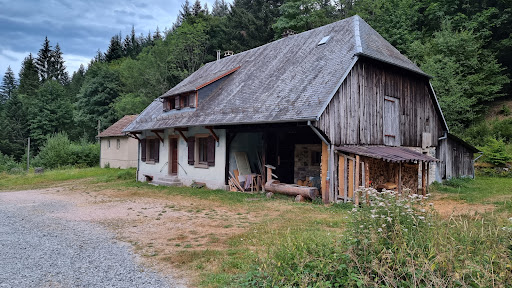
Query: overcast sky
x=80, y=27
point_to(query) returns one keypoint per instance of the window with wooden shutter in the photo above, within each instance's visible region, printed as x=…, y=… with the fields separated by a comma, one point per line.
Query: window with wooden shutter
x=157, y=150
x=143, y=150
x=191, y=148
x=210, y=156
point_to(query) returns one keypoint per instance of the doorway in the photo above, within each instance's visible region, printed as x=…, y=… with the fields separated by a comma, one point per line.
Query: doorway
x=173, y=155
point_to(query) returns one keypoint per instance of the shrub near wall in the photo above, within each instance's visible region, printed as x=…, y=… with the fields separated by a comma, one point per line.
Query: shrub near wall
x=59, y=151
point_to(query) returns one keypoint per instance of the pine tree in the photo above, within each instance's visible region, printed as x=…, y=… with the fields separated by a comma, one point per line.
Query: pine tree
x=157, y=35
x=197, y=8
x=100, y=89
x=8, y=86
x=44, y=60
x=115, y=49
x=57, y=68
x=29, y=78
x=51, y=112
x=15, y=128
x=220, y=8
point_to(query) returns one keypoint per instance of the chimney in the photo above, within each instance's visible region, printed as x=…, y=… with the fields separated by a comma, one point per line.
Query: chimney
x=218, y=54
x=228, y=53
x=288, y=32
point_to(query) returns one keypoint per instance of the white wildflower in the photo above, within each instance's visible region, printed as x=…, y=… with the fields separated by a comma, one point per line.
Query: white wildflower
x=380, y=229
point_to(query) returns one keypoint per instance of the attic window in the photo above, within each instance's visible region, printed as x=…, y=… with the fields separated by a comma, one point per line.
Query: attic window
x=324, y=40
x=179, y=102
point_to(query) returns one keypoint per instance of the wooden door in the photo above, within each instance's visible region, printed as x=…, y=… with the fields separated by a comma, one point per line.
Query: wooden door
x=173, y=155
x=391, y=121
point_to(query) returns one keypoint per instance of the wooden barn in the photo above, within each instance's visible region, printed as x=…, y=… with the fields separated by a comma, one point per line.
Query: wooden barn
x=336, y=107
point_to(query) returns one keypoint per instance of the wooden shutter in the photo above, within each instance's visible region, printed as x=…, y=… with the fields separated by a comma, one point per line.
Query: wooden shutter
x=143, y=150
x=391, y=121
x=191, y=148
x=157, y=150
x=177, y=102
x=211, y=151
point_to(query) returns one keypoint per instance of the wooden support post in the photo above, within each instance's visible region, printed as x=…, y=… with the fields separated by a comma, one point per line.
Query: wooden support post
x=428, y=176
x=350, y=178
x=367, y=174
x=423, y=178
x=400, y=178
x=341, y=176
x=323, y=172
x=269, y=172
x=357, y=172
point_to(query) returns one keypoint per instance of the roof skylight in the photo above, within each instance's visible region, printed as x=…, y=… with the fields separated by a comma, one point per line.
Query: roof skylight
x=324, y=40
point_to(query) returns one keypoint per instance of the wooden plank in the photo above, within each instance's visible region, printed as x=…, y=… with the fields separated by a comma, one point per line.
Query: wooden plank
x=400, y=178
x=367, y=174
x=423, y=178
x=357, y=172
x=323, y=172
x=341, y=175
x=350, y=178
x=210, y=128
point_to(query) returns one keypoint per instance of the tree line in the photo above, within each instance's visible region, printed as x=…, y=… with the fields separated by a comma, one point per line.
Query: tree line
x=464, y=45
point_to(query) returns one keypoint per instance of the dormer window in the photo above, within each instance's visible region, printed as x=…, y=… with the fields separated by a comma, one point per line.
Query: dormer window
x=179, y=102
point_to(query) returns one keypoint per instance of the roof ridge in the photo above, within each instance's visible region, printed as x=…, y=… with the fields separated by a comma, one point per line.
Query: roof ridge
x=357, y=36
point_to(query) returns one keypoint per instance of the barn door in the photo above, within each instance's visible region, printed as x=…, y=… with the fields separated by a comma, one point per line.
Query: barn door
x=391, y=121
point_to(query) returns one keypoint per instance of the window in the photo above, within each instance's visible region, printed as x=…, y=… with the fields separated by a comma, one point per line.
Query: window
x=179, y=102
x=118, y=144
x=202, y=144
x=108, y=144
x=316, y=158
x=201, y=151
x=150, y=150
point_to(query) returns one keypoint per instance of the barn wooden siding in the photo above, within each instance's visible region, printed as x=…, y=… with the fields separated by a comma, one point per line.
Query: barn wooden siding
x=456, y=159
x=355, y=114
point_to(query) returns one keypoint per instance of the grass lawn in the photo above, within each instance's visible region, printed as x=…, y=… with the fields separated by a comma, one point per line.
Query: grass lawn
x=481, y=190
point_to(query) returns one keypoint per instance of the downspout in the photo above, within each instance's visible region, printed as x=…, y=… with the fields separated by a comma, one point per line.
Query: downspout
x=138, y=161
x=481, y=154
x=329, y=162
x=318, y=133
x=444, y=136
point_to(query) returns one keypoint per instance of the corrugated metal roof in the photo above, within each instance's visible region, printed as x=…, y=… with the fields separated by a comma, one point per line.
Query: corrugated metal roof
x=387, y=153
x=117, y=128
x=287, y=80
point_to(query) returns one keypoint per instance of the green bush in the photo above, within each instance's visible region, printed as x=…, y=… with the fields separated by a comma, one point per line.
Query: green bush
x=394, y=242
x=495, y=152
x=58, y=151
x=7, y=163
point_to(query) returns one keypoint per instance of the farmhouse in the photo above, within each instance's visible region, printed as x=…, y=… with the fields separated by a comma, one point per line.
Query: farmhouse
x=336, y=107
x=116, y=149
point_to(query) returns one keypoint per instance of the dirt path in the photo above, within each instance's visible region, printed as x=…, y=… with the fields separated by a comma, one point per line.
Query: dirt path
x=157, y=227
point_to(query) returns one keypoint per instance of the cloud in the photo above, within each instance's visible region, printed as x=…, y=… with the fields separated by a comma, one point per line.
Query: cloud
x=80, y=27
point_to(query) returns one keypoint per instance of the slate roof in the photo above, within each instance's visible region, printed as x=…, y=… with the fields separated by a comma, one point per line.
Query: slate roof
x=387, y=153
x=288, y=80
x=117, y=128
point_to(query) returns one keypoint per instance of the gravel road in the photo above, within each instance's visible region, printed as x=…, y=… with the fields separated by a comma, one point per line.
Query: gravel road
x=38, y=249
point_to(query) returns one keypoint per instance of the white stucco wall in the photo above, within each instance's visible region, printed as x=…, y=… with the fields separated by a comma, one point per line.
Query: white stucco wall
x=123, y=157
x=213, y=176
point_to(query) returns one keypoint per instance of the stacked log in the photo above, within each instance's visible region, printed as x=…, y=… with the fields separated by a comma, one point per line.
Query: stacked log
x=291, y=189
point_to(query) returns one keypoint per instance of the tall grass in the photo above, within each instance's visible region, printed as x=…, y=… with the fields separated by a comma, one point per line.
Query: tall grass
x=394, y=242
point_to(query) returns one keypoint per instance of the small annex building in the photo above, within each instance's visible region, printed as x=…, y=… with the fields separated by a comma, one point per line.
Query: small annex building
x=337, y=107
x=118, y=150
